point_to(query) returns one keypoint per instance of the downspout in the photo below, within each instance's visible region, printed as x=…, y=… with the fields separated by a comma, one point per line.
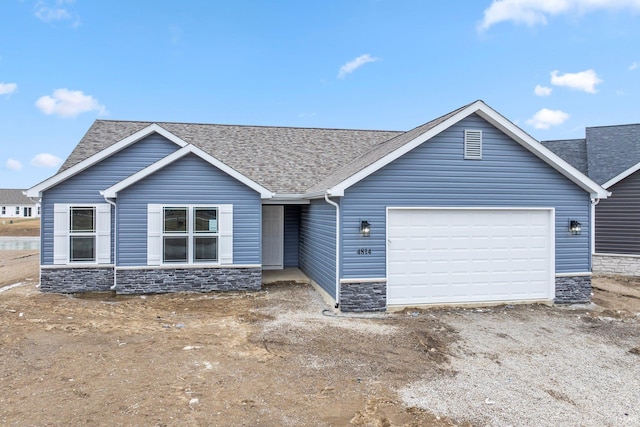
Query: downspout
x=331, y=202
x=115, y=240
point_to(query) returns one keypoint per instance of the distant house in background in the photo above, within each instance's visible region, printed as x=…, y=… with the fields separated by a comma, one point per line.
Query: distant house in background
x=14, y=204
x=610, y=155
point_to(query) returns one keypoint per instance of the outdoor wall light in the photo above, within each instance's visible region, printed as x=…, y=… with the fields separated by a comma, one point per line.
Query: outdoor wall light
x=575, y=227
x=365, y=228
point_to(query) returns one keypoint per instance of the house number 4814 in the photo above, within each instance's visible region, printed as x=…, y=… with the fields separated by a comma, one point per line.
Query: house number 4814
x=364, y=251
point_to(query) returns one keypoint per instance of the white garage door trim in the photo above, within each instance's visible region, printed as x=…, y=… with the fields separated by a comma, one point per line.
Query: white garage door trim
x=449, y=234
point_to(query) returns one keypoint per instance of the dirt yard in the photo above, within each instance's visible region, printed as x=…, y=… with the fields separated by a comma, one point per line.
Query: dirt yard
x=273, y=358
x=19, y=226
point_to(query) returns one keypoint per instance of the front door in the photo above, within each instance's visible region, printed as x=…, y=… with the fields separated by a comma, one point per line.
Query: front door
x=272, y=237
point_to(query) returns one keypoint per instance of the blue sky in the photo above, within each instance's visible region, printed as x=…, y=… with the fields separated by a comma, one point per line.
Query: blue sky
x=552, y=67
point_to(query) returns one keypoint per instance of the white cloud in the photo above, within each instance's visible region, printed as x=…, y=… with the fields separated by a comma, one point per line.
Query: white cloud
x=47, y=13
x=353, y=65
x=69, y=103
x=536, y=12
x=546, y=118
x=542, y=90
x=46, y=160
x=584, y=80
x=8, y=88
x=13, y=165
x=633, y=66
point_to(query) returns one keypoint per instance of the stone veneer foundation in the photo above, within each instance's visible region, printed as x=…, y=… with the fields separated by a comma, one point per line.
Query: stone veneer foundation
x=573, y=290
x=165, y=280
x=372, y=296
x=363, y=296
x=623, y=265
x=150, y=281
x=77, y=279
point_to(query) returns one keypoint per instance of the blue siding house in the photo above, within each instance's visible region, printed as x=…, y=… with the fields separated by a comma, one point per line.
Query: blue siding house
x=466, y=208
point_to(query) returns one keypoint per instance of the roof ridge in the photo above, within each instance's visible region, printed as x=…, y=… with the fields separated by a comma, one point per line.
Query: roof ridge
x=246, y=126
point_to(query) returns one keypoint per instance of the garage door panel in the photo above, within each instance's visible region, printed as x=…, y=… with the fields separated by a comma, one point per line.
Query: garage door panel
x=469, y=255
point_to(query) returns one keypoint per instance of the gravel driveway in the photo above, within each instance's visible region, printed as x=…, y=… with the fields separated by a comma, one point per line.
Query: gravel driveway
x=537, y=367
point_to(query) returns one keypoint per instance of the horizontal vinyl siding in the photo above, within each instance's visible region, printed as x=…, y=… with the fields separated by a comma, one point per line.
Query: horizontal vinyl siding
x=85, y=187
x=291, y=235
x=618, y=218
x=317, y=251
x=436, y=174
x=189, y=180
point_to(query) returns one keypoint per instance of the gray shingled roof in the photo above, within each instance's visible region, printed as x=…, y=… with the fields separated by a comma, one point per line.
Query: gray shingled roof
x=573, y=151
x=606, y=152
x=378, y=153
x=12, y=196
x=612, y=150
x=284, y=160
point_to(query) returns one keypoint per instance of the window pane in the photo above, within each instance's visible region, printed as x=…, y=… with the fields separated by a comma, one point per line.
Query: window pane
x=82, y=220
x=206, y=249
x=175, y=249
x=175, y=220
x=206, y=220
x=83, y=248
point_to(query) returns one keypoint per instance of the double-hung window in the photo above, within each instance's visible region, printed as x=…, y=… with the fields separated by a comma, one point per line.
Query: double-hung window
x=190, y=234
x=81, y=233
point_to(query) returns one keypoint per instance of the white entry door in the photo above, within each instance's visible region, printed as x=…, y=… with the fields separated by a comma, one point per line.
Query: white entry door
x=272, y=237
x=437, y=256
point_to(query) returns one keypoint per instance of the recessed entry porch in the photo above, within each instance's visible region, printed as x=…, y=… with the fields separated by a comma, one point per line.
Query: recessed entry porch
x=280, y=234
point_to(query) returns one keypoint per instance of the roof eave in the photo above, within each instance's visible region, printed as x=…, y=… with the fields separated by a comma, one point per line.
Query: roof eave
x=112, y=192
x=36, y=190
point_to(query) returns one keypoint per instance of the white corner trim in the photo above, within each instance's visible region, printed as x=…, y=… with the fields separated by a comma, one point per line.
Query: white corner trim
x=583, y=273
x=616, y=179
x=367, y=280
x=497, y=120
x=36, y=191
x=616, y=255
x=186, y=266
x=112, y=191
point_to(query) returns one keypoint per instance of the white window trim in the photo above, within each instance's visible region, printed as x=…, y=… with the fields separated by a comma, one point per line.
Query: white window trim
x=156, y=234
x=62, y=234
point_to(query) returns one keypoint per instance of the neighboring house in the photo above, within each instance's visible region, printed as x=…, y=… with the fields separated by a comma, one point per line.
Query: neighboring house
x=465, y=208
x=14, y=204
x=610, y=156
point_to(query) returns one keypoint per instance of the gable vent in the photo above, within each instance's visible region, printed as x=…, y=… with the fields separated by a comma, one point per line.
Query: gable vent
x=472, y=144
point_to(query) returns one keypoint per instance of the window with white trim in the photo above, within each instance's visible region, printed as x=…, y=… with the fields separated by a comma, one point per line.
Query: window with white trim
x=4, y=210
x=81, y=233
x=190, y=234
x=17, y=210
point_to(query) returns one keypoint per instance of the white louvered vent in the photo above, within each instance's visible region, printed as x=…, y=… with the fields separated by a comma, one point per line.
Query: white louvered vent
x=472, y=144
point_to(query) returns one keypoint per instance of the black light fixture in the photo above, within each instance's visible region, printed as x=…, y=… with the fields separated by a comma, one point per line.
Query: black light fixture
x=365, y=228
x=575, y=227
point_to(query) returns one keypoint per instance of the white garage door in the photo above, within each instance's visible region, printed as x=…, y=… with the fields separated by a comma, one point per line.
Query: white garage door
x=437, y=256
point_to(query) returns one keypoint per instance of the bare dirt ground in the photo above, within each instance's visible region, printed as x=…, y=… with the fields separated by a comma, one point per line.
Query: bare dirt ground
x=272, y=358
x=19, y=226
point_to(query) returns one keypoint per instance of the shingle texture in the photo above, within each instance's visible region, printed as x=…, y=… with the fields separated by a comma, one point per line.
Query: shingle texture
x=12, y=196
x=573, y=151
x=284, y=160
x=606, y=151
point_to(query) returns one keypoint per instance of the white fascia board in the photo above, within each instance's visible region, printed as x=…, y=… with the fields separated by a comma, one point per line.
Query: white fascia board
x=338, y=190
x=496, y=119
x=616, y=179
x=112, y=192
x=548, y=156
x=36, y=191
